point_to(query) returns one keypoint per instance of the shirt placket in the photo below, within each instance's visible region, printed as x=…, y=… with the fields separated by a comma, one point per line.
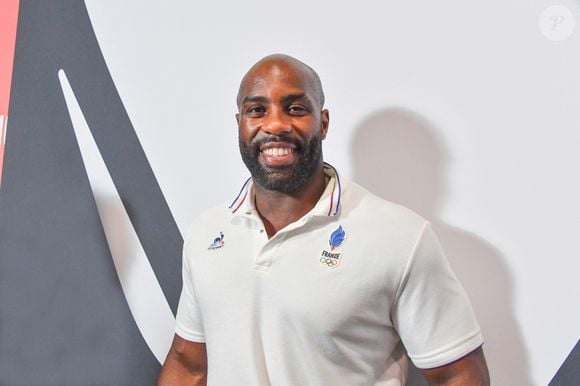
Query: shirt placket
x=269, y=251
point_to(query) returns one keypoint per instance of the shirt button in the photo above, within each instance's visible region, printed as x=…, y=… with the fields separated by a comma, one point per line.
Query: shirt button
x=261, y=231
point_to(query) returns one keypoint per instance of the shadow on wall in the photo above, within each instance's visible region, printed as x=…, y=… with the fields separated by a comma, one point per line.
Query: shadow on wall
x=399, y=156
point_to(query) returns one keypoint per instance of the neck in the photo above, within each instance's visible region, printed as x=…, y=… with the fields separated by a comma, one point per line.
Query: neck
x=280, y=209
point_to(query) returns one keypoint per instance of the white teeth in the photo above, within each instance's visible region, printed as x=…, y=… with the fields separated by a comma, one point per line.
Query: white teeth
x=277, y=151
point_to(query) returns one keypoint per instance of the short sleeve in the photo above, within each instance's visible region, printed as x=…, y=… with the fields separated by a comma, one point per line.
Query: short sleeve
x=432, y=313
x=188, y=321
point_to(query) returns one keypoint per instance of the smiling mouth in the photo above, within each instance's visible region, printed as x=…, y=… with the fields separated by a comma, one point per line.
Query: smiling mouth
x=277, y=154
x=278, y=151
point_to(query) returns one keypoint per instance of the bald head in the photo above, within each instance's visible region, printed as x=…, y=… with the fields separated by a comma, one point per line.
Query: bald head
x=281, y=67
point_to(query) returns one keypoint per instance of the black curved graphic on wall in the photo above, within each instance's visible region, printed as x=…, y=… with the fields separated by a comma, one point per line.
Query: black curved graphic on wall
x=63, y=316
x=569, y=373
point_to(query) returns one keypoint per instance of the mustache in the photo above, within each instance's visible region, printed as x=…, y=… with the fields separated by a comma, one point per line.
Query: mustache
x=261, y=140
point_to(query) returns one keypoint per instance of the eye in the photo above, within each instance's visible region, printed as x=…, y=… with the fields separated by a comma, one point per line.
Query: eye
x=297, y=110
x=255, y=111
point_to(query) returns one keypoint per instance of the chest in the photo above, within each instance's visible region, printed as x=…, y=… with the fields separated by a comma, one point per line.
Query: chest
x=317, y=277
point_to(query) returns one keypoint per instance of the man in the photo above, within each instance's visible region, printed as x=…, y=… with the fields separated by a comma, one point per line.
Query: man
x=308, y=279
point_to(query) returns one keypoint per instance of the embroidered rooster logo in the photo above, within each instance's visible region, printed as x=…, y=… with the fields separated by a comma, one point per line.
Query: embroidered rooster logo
x=218, y=242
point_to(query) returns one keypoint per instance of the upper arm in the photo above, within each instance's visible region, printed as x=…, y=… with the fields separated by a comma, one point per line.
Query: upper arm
x=186, y=364
x=188, y=321
x=469, y=370
x=432, y=313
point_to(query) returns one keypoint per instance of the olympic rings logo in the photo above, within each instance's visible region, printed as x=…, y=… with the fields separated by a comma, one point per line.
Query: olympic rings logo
x=328, y=262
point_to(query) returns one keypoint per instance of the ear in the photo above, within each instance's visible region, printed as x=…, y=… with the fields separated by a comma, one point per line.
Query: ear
x=324, y=122
x=238, y=119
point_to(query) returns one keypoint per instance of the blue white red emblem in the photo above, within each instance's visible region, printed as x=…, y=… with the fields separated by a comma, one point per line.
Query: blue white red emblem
x=218, y=242
x=331, y=259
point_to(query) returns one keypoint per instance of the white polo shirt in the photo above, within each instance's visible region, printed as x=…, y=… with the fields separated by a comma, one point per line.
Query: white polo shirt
x=329, y=300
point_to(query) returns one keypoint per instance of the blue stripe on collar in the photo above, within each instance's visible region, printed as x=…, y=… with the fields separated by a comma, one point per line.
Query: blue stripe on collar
x=336, y=193
x=235, y=205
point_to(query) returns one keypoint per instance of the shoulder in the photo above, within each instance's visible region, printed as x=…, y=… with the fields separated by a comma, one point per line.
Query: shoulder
x=382, y=228
x=210, y=219
x=360, y=204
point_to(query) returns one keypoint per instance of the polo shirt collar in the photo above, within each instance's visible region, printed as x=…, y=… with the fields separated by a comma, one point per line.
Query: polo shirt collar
x=328, y=204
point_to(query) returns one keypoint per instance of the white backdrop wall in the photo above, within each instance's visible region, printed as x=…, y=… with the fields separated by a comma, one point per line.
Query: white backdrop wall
x=463, y=111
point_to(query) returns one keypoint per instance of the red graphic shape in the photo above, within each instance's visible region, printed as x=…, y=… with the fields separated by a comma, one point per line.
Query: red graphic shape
x=8, y=22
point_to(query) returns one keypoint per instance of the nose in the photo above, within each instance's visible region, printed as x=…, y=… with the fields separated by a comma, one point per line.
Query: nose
x=276, y=123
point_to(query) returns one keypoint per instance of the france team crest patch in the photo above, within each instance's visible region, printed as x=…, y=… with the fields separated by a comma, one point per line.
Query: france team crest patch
x=331, y=259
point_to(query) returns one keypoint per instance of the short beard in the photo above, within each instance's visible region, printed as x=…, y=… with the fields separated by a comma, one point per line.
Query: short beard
x=283, y=179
